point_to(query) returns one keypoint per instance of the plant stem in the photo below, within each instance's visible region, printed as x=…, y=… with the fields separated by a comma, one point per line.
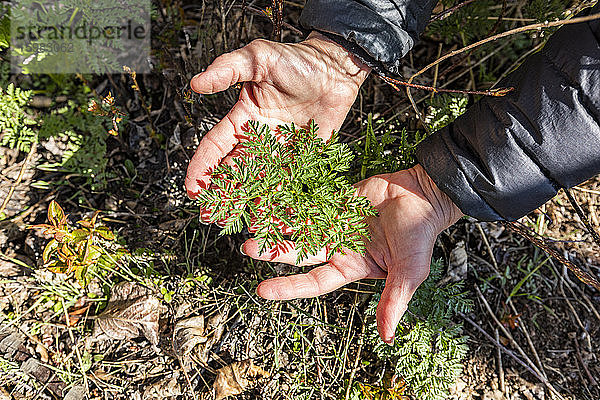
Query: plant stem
x=445, y=14
x=277, y=13
x=19, y=178
x=492, y=92
x=582, y=216
x=541, y=25
x=541, y=242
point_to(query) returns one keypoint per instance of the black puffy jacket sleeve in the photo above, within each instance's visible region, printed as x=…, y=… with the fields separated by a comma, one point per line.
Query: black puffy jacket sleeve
x=383, y=30
x=508, y=155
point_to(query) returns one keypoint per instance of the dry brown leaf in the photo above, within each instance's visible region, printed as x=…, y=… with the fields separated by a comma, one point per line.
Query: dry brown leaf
x=164, y=389
x=236, y=378
x=4, y=395
x=44, y=375
x=194, y=335
x=77, y=392
x=132, y=311
x=458, y=264
x=188, y=334
x=213, y=331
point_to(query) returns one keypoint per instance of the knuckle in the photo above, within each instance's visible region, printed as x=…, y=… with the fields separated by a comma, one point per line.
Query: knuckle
x=258, y=43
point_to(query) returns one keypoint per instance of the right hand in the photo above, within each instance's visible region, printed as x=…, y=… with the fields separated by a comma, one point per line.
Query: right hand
x=412, y=212
x=316, y=79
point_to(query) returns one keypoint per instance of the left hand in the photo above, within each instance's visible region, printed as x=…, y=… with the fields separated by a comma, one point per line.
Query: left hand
x=316, y=79
x=412, y=212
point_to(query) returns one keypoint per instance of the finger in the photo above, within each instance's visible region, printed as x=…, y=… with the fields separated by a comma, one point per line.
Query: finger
x=205, y=213
x=400, y=286
x=241, y=65
x=318, y=281
x=217, y=143
x=285, y=252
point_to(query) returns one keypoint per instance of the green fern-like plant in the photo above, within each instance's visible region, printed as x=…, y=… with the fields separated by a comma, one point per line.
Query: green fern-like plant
x=392, y=151
x=469, y=23
x=58, y=37
x=290, y=178
x=85, y=138
x=82, y=130
x=15, y=122
x=443, y=109
x=429, y=348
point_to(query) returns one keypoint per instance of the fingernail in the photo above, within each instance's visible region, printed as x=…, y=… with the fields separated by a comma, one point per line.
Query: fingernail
x=242, y=250
x=390, y=341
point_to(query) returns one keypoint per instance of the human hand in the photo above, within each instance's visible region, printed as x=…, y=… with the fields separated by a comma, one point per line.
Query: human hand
x=316, y=79
x=412, y=212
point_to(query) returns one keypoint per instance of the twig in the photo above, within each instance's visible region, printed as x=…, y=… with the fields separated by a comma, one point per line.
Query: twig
x=507, y=333
x=356, y=360
x=541, y=242
x=582, y=216
x=586, y=190
x=541, y=25
x=348, y=338
x=523, y=328
x=145, y=106
x=571, y=285
x=575, y=314
x=469, y=63
x=504, y=34
x=77, y=353
x=185, y=374
x=511, y=354
x=585, y=368
x=448, y=83
x=223, y=16
x=437, y=69
x=500, y=368
x=489, y=248
x=256, y=11
x=499, y=20
x=277, y=18
x=445, y=14
x=491, y=92
x=19, y=177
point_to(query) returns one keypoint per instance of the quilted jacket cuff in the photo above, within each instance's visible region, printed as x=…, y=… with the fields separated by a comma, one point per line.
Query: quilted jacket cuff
x=384, y=29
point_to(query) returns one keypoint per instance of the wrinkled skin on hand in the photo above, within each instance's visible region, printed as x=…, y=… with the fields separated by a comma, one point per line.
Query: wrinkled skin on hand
x=317, y=79
x=412, y=212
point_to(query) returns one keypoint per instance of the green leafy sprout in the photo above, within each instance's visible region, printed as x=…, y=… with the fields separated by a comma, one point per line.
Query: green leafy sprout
x=429, y=347
x=290, y=179
x=15, y=122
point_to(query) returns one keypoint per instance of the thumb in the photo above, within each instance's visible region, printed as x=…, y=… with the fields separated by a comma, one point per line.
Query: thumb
x=400, y=286
x=242, y=65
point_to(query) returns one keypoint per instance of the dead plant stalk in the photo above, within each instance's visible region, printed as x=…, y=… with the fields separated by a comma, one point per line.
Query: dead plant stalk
x=19, y=178
x=541, y=25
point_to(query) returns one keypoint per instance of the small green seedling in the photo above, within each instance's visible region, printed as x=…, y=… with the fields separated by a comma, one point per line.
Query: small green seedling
x=290, y=181
x=75, y=251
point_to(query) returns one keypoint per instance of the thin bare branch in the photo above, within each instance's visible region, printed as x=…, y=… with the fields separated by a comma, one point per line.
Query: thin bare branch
x=541, y=25
x=582, y=216
x=277, y=18
x=19, y=178
x=446, y=13
x=262, y=13
x=541, y=242
x=492, y=92
x=510, y=353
